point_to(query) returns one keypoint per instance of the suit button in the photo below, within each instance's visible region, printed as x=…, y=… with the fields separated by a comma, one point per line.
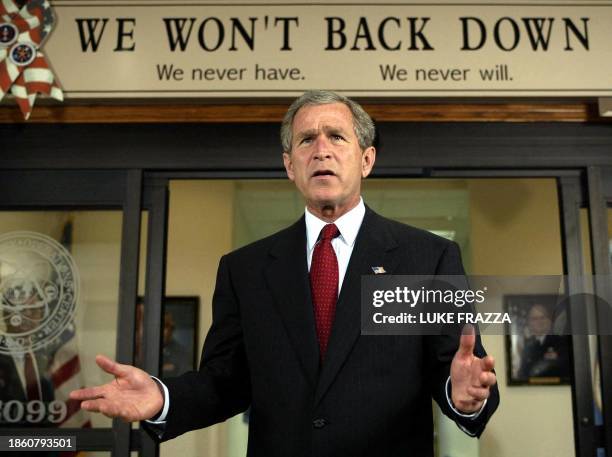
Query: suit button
x=319, y=423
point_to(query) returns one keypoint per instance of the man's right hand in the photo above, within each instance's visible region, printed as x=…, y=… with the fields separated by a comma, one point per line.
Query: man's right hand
x=132, y=396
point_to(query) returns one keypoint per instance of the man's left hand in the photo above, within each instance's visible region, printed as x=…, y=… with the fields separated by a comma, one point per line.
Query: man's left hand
x=471, y=377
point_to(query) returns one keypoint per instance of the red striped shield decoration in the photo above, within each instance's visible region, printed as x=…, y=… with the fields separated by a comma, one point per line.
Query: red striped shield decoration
x=24, y=71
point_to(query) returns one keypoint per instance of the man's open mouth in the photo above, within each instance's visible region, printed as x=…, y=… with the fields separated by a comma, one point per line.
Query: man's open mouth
x=323, y=173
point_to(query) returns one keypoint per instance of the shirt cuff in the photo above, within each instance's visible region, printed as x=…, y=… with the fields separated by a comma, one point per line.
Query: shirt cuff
x=473, y=415
x=161, y=419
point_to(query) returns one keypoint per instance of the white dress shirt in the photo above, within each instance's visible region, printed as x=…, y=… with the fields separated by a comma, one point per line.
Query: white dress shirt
x=348, y=225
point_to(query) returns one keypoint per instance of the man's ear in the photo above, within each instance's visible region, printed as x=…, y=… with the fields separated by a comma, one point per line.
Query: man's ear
x=368, y=157
x=288, y=165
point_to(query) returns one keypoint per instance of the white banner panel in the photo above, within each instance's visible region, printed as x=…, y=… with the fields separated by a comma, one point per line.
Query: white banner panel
x=177, y=49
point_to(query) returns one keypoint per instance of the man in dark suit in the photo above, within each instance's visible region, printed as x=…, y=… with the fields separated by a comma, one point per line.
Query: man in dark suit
x=24, y=375
x=16, y=387
x=285, y=338
x=544, y=354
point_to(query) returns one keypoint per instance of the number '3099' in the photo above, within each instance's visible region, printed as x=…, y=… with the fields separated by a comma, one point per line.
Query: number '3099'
x=36, y=411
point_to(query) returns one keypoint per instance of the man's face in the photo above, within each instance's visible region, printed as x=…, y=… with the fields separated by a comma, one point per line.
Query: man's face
x=539, y=321
x=326, y=162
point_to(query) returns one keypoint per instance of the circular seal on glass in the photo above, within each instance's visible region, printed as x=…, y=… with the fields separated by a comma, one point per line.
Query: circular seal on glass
x=39, y=290
x=22, y=54
x=8, y=34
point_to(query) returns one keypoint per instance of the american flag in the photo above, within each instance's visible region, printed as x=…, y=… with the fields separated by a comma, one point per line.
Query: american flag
x=23, y=78
x=65, y=373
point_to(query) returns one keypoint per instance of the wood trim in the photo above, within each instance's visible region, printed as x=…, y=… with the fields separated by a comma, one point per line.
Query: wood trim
x=400, y=112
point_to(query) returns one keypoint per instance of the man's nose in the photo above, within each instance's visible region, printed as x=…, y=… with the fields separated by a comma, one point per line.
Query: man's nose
x=322, y=149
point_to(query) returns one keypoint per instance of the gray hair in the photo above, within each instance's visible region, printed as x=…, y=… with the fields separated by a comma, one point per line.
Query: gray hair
x=362, y=122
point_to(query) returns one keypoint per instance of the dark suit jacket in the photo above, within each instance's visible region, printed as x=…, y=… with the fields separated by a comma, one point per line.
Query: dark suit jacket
x=549, y=358
x=372, y=395
x=12, y=389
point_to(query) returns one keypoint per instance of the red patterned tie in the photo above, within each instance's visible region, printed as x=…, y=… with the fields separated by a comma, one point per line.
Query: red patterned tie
x=31, y=378
x=324, y=285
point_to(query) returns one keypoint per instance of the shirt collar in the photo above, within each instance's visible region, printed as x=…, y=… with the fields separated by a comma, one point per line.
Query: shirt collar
x=348, y=224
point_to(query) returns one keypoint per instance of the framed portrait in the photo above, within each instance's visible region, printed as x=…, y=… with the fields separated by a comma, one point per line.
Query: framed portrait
x=537, y=351
x=180, y=336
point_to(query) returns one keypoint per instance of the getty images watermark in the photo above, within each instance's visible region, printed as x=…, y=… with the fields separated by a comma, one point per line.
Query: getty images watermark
x=497, y=305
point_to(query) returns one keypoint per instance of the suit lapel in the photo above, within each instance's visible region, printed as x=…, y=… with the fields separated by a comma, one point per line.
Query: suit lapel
x=373, y=247
x=287, y=278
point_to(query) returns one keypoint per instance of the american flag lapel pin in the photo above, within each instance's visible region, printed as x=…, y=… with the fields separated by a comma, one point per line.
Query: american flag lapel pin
x=378, y=270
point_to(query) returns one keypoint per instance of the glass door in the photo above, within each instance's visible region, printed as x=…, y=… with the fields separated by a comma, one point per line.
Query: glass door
x=68, y=259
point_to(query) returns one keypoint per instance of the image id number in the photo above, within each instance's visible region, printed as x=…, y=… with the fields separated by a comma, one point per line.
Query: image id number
x=37, y=443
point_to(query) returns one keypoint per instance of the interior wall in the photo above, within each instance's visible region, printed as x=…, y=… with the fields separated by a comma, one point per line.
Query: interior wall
x=97, y=253
x=46, y=222
x=199, y=233
x=516, y=231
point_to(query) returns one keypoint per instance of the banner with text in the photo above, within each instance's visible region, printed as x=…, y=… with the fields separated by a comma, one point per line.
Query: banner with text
x=156, y=49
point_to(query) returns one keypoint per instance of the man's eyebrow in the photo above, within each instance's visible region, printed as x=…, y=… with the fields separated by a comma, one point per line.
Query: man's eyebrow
x=334, y=130
x=327, y=129
x=305, y=134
